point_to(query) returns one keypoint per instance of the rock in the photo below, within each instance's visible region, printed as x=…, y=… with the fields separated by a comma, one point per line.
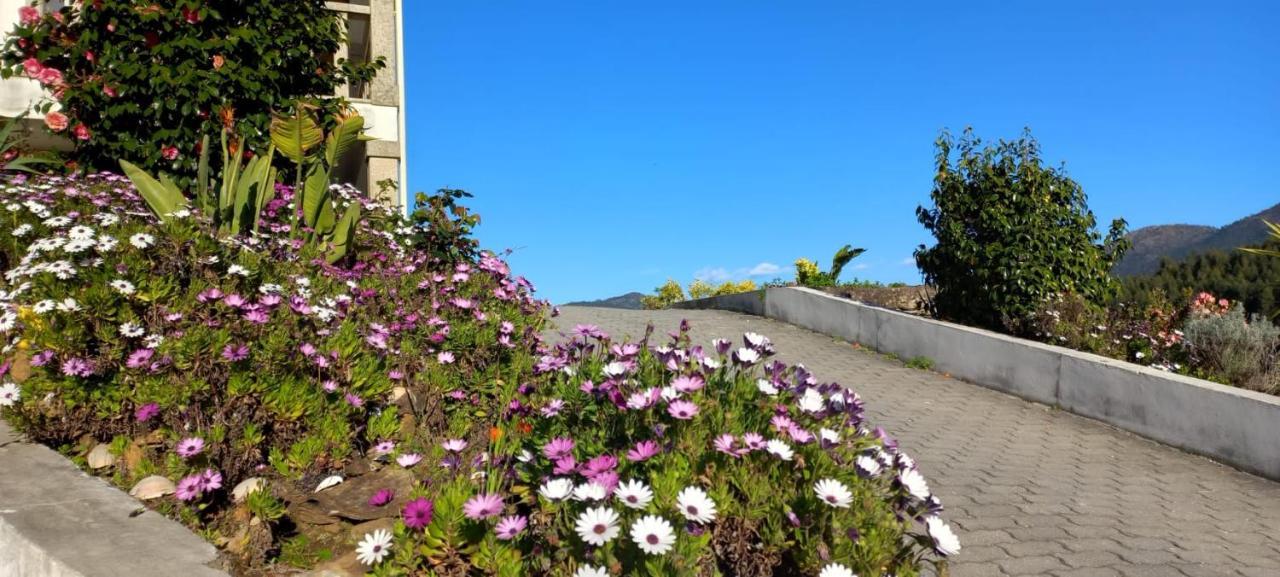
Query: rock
x=357, y=532
x=309, y=513
x=100, y=457
x=350, y=500
x=328, y=482
x=243, y=488
x=20, y=370
x=345, y=566
x=153, y=487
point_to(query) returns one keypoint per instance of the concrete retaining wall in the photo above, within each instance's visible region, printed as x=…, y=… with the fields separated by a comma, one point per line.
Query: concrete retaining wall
x=56, y=521
x=751, y=303
x=1235, y=426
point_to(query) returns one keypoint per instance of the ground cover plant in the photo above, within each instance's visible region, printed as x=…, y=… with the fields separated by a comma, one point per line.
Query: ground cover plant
x=397, y=411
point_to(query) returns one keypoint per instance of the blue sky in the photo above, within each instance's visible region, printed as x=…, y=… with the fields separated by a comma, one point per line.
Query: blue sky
x=613, y=145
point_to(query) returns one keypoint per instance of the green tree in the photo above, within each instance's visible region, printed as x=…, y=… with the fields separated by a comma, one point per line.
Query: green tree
x=145, y=81
x=1010, y=233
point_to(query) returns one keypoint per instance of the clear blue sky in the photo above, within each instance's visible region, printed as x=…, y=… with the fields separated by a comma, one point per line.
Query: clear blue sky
x=616, y=144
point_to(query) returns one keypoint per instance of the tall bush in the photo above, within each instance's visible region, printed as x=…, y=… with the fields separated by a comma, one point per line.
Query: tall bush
x=1010, y=233
x=144, y=81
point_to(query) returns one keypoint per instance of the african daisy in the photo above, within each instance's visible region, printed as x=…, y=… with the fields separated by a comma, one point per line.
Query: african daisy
x=695, y=505
x=597, y=525
x=653, y=534
x=834, y=493
x=374, y=547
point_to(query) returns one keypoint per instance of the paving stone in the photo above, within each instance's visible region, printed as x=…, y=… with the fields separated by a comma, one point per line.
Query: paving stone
x=1015, y=475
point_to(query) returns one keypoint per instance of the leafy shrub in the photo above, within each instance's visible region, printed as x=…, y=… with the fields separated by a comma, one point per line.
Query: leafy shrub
x=1010, y=233
x=668, y=460
x=144, y=82
x=808, y=274
x=1243, y=352
x=670, y=292
x=12, y=157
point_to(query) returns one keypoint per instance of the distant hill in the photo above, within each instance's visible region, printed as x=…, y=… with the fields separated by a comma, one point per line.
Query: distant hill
x=1176, y=241
x=630, y=300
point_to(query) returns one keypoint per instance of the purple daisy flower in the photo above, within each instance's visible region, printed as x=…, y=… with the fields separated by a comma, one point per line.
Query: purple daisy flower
x=210, y=480
x=509, y=527
x=381, y=497
x=189, y=447
x=482, y=506
x=454, y=445
x=688, y=383
x=146, y=412
x=418, y=513
x=642, y=451
x=682, y=409
x=558, y=448
x=189, y=487
x=235, y=353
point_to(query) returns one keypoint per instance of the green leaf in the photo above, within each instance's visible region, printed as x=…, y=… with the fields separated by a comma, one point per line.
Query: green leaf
x=294, y=136
x=317, y=211
x=344, y=235
x=344, y=135
x=163, y=198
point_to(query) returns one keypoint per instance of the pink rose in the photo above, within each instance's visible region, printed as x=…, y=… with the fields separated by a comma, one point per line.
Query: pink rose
x=56, y=121
x=169, y=152
x=82, y=132
x=88, y=55
x=109, y=91
x=28, y=15
x=50, y=77
x=32, y=67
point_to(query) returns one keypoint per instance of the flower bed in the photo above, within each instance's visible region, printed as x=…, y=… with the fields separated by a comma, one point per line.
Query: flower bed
x=401, y=413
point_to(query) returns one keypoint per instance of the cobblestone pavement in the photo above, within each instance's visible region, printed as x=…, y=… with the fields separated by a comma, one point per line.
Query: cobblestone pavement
x=1030, y=490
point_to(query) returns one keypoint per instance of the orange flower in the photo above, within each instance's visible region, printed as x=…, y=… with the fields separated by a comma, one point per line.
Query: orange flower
x=524, y=427
x=495, y=433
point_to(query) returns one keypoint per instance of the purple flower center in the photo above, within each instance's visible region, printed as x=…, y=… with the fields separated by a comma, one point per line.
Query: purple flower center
x=652, y=539
x=831, y=498
x=599, y=529
x=692, y=510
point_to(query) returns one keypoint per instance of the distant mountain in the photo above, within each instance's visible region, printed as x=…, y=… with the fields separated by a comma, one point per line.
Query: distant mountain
x=1175, y=241
x=627, y=301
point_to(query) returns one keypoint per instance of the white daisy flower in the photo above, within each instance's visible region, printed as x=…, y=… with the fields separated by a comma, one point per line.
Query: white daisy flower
x=142, y=240
x=868, y=465
x=124, y=287
x=747, y=356
x=78, y=245
x=7, y=321
x=945, y=541
x=779, y=448
x=44, y=306
x=766, y=387
x=106, y=218
x=61, y=269
x=237, y=269
x=754, y=339
x=68, y=305
x=374, y=548
x=914, y=483
x=597, y=525
x=556, y=489
x=695, y=505
x=80, y=232
x=9, y=394
x=153, y=341
x=829, y=435
x=21, y=230
x=57, y=221
x=834, y=493
x=589, y=571
x=106, y=243
x=837, y=570
x=812, y=402
x=590, y=491
x=653, y=534
x=615, y=369
x=634, y=494
x=132, y=330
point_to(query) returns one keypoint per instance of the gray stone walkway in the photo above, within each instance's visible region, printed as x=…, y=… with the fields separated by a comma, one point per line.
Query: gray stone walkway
x=1030, y=490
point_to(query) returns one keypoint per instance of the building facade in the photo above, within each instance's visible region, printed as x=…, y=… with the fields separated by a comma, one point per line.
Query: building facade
x=374, y=29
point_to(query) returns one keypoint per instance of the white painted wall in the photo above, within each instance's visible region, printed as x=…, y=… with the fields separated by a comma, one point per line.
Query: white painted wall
x=16, y=94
